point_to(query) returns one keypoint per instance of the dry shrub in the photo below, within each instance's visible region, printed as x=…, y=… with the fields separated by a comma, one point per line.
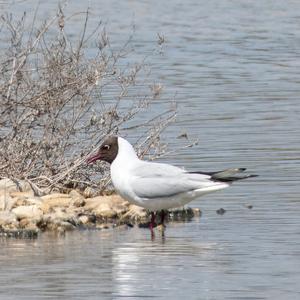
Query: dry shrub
x=57, y=104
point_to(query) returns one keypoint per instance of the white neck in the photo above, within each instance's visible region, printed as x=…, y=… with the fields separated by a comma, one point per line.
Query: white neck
x=125, y=151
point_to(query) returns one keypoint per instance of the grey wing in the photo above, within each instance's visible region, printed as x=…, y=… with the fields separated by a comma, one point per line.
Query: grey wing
x=153, y=180
x=149, y=169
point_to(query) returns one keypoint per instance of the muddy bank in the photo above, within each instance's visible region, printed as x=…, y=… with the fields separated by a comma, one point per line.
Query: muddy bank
x=24, y=214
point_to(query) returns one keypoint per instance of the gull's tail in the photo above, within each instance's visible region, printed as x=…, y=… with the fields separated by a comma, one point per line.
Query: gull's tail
x=228, y=175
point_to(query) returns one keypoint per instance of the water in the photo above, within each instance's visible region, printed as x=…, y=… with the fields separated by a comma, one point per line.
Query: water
x=233, y=68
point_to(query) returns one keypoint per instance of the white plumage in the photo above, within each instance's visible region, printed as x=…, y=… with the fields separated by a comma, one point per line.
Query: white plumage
x=157, y=186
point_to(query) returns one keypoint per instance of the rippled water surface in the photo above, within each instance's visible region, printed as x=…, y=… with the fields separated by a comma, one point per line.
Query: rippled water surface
x=233, y=68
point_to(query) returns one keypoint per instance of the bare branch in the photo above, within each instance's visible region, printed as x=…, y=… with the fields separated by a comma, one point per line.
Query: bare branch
x=57, y=103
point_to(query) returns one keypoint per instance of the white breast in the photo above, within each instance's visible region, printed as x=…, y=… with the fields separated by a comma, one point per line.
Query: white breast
x=120, y=180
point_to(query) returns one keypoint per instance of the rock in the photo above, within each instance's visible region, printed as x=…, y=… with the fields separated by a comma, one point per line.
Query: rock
x=77, y=199
x=2, y=202
x=89, y=192
x=249, y=206
x=48, y=203
x=79, y=202
x=74, y=211
x=221, y=211
x=32, y=212
x=103, y=226
x=161, y=227
x=62, y=226
x=75, y=194
x=106, y=206
x=22, y=195
x=61, y=212
x=135, y=213
x=54, y=196
x=87, y=220
x=24, y=222
x=118, y=204
x=10, y=185
x=26, y=202
x=66, y=226
x=24, y=186
x=111, y=200
x=197, y=212
x=20, y=233
x=7, y=218
x=84, y=219
x=104, y=210
x=181, y=214
x=24, y=199
x=33, y=201
x=56, y=222
x=6, y=202
x=92, y=203
x=28, y=224
x=125, y=226
x=57, y=218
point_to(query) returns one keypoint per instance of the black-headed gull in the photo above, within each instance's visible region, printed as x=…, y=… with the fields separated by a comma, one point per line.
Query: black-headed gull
x=158, y=186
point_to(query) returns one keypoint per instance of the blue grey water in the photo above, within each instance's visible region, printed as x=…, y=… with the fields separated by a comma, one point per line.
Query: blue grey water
x=233, y=69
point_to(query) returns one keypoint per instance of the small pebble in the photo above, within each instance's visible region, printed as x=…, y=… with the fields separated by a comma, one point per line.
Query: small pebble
x=145, y=225
x=220, y=211
x=183, y=135
x=161, y=227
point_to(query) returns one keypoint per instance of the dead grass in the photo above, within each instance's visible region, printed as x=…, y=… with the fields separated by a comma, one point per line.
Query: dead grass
x=56, y=103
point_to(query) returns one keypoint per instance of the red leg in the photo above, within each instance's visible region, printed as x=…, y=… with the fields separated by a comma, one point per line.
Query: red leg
x=152, y=222
x=163, y=214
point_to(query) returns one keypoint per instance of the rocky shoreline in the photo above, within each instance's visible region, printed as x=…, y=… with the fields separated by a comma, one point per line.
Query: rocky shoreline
x=23, y=214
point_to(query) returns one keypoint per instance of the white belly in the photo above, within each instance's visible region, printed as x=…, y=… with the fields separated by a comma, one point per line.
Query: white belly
x=123, y=187
x=179, y=200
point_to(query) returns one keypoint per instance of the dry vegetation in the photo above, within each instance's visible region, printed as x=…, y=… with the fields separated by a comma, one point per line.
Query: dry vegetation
x=56, y=103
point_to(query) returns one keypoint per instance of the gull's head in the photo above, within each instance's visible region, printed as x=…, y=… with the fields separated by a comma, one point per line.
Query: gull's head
x=108, y=151
x=110, y=148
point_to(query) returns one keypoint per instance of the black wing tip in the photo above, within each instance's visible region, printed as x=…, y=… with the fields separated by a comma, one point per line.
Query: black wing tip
x=236, y=178
x=252, y=175
x=228, y=178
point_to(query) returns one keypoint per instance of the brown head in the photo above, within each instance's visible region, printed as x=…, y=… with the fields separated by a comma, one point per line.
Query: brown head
x=107, y=151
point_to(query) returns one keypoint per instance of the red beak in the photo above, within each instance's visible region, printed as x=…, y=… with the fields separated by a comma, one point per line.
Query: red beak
x=93, y=158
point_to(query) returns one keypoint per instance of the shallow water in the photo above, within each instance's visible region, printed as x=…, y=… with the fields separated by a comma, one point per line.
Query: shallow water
x=233, y=68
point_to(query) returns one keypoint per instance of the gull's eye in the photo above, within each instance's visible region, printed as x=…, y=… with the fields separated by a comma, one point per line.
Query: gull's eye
x=106, y=147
